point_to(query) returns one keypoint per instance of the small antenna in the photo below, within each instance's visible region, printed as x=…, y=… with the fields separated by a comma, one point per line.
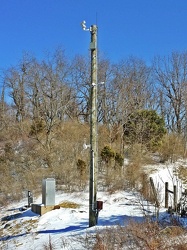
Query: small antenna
x=96, y=18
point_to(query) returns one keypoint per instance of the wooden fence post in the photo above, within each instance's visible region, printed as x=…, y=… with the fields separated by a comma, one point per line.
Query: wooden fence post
x=166, y=194
x=175, y=197
x=154, y=192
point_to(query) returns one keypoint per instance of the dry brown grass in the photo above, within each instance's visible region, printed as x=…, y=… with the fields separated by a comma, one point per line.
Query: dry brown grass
x=148, y=235
x=182, y=173
x=172, y=148
x=69, y=204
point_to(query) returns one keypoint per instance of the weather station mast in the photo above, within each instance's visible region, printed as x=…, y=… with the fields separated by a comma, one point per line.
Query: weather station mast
x=93, y=210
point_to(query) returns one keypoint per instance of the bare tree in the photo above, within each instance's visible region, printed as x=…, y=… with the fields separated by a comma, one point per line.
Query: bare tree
x=130, y=89
x=80, y=80
x=50, y=95
x=171, y=78
x=104, y=78
x=14, y=80
x=2, y=108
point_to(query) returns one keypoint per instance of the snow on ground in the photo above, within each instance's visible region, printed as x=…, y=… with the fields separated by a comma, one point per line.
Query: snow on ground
x=27, y=230
x=32, y=231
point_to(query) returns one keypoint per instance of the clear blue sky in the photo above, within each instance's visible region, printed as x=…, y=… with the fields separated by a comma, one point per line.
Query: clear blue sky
x=143, y=28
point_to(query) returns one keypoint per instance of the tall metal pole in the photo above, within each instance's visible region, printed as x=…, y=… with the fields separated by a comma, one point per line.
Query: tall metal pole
x=93, y=214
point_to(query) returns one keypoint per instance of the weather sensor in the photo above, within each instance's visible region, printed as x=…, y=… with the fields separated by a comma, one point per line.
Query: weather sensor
x=83, y=24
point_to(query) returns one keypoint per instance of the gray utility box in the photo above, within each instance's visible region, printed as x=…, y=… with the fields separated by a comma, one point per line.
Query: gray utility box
x=48, y=192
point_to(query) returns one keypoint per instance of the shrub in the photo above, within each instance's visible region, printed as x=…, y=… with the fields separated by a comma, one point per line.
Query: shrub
x=107, y=154
x=81, y=166
x=119, y=159
x=36, y=127
x=144, y=127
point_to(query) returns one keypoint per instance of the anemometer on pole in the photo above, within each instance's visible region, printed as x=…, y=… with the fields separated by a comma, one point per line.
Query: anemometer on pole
x=93, y=210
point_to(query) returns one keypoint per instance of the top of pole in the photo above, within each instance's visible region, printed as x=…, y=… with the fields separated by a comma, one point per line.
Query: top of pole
x=92, y=29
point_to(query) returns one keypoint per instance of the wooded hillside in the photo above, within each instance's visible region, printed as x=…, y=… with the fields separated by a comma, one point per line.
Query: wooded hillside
x=44, y=119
